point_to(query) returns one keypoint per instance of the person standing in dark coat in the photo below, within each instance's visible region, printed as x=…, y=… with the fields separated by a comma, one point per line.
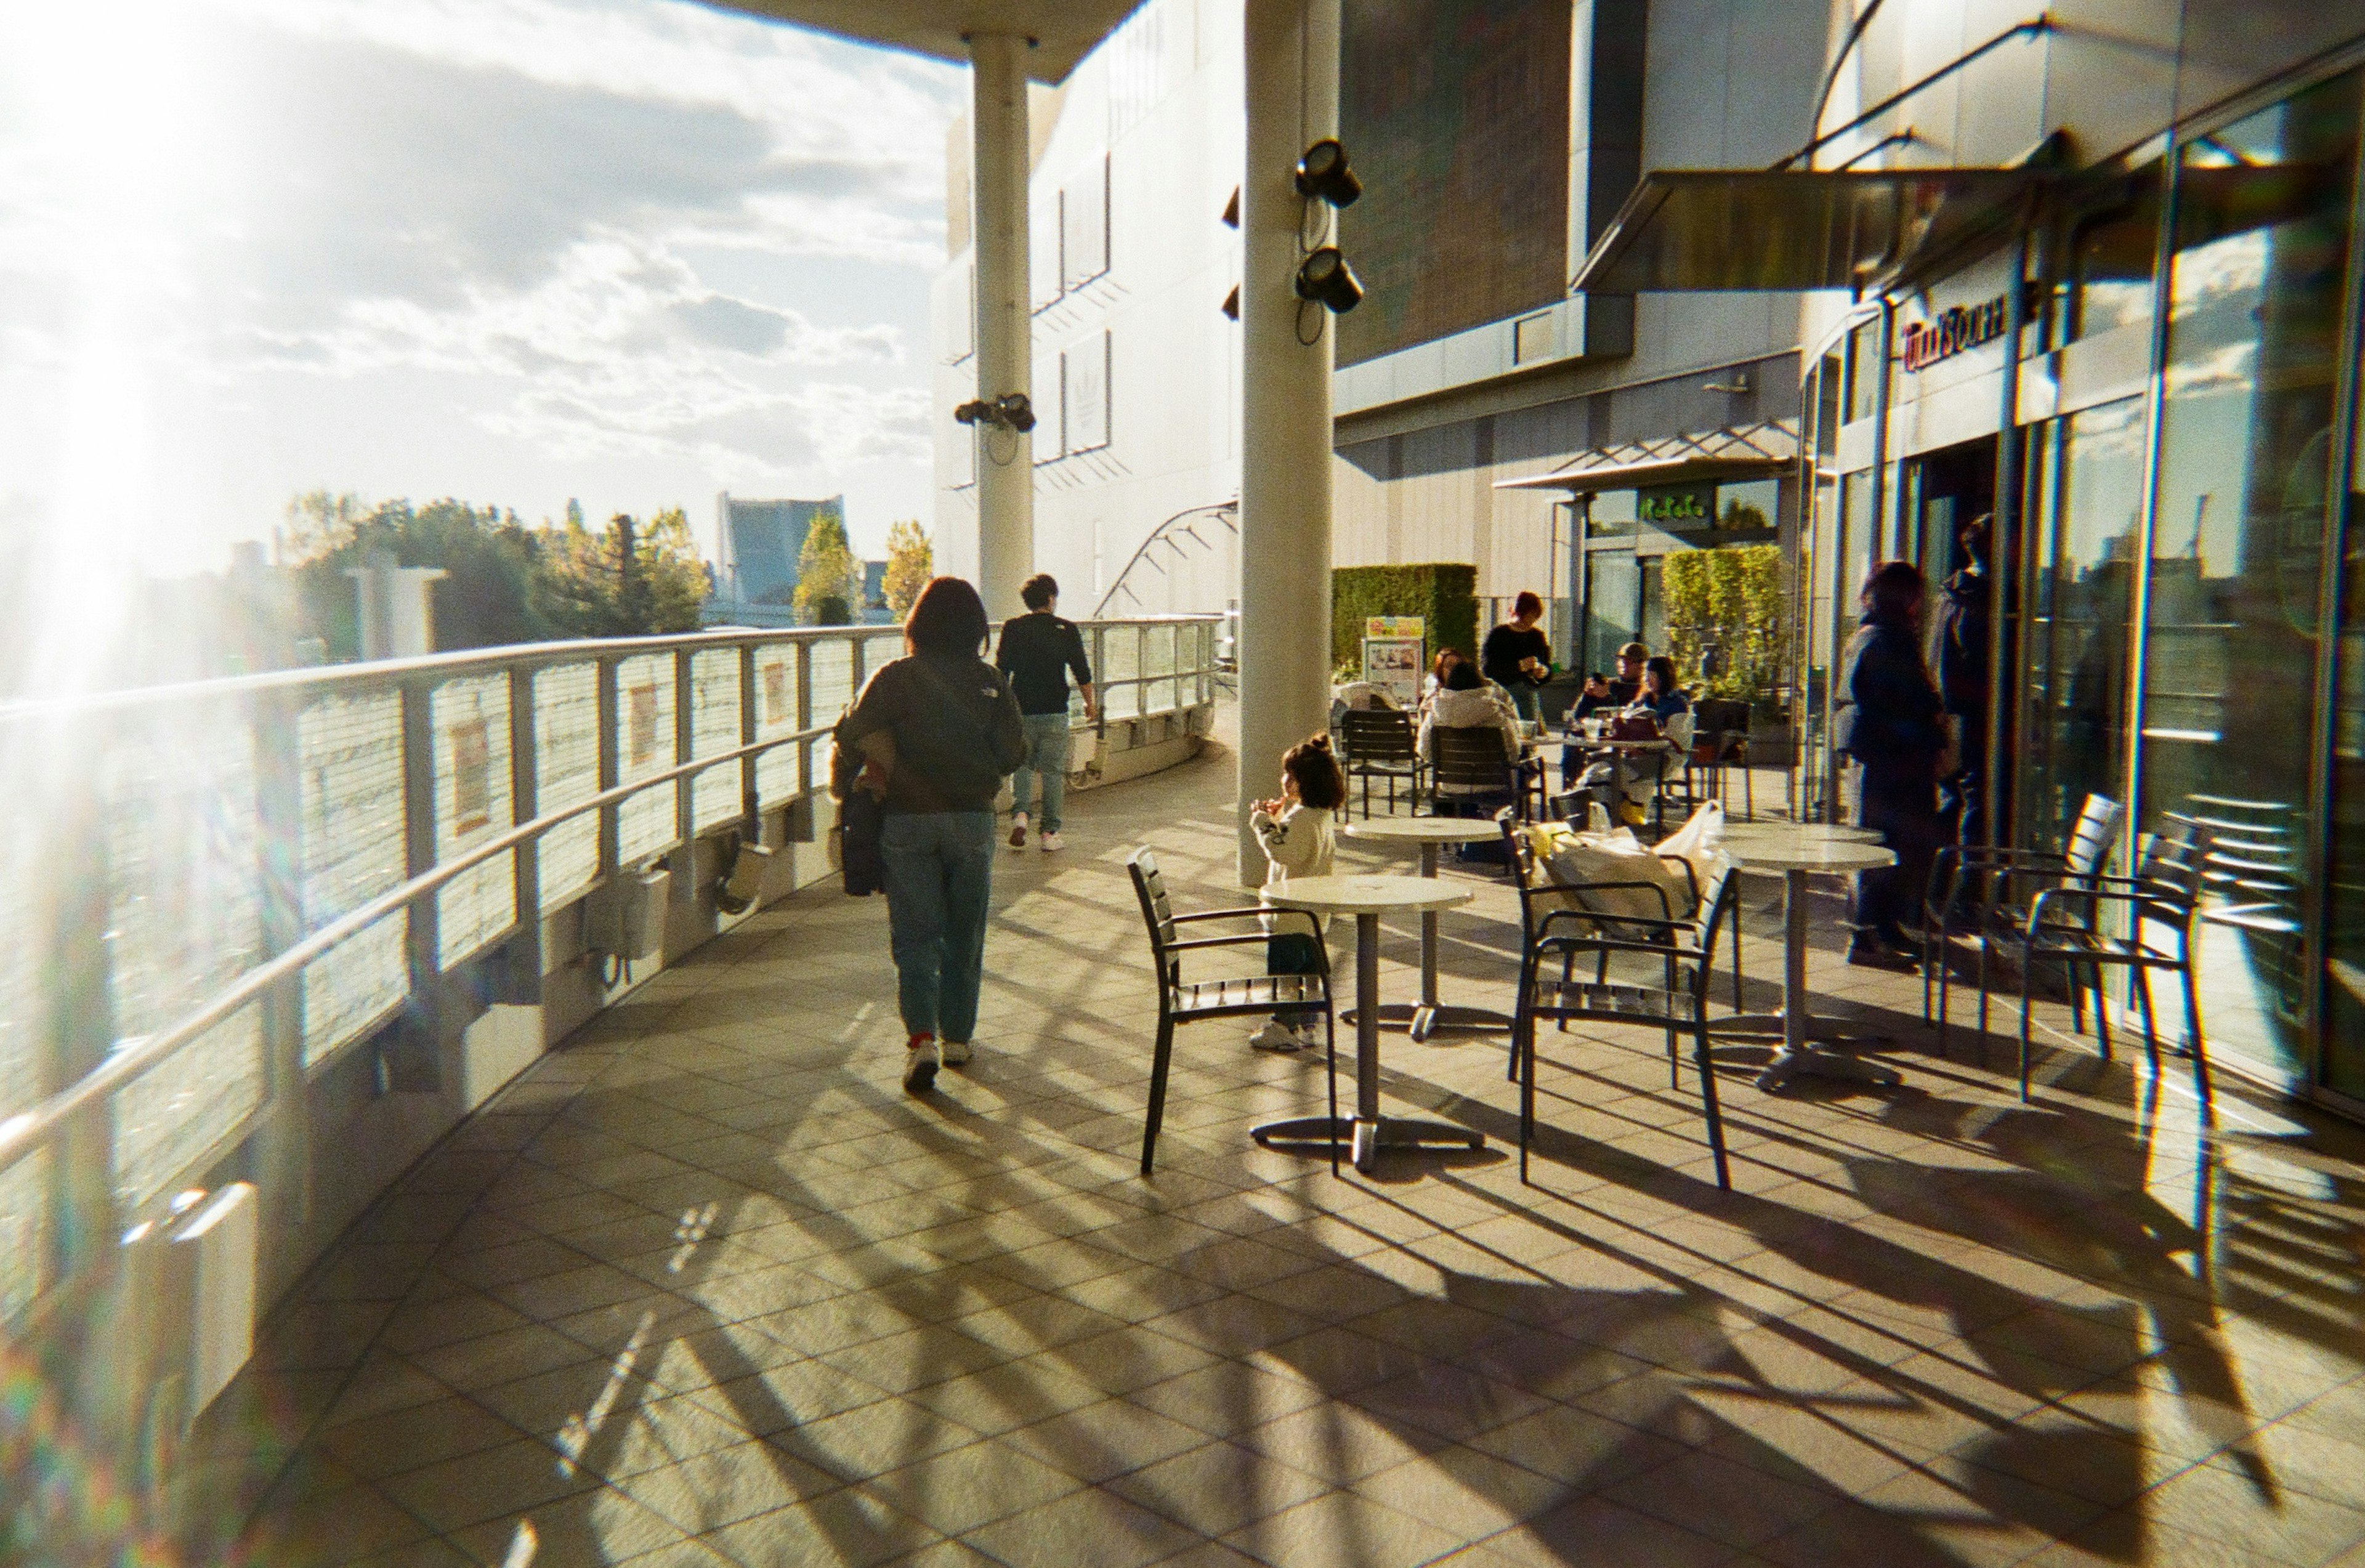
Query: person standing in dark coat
x=1964, y=681
x=1516, y=656
x=1891, y=722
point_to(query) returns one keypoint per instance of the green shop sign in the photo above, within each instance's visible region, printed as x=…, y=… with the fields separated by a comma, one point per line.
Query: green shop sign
x=1686, y=506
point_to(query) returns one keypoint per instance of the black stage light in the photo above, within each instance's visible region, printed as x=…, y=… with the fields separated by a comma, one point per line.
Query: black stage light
x=1326, y=278
x=1014, y=411
x=1322, y=174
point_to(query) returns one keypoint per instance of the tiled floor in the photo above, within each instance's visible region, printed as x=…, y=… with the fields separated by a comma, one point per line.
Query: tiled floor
x=706, y=1287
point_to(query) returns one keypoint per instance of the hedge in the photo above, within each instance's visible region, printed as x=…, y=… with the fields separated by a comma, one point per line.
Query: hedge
x=1444, y=594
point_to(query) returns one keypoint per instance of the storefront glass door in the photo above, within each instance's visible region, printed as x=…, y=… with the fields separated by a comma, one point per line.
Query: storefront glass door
x=2085, y=537
x=2344, y=991
x=2255, y=299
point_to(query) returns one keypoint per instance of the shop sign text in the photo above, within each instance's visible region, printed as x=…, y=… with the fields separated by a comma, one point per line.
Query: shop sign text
x=1952, y=330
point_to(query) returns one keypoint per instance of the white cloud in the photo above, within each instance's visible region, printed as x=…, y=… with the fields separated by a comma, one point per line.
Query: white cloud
x=507, y=199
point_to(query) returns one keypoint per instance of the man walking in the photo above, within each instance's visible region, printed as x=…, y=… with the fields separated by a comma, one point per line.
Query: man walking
x=1037, y=652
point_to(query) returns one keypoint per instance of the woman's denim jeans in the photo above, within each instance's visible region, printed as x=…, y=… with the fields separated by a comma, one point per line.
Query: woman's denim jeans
x=939, y=878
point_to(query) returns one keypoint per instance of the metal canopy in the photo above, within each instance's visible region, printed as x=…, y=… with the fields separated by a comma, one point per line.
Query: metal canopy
x=1064, y=30
x=1738, y=451
x=1686, y=229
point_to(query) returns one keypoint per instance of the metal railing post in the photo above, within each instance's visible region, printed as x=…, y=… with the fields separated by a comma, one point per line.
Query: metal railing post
x=685, y=749
x=282, y=1155
x=801, y=652
x=611, y=816
x=409, y=1059
x=749, y=809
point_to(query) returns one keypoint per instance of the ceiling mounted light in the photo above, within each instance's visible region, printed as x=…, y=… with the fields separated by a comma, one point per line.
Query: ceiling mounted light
x=1326, y=278
x=1323, y=175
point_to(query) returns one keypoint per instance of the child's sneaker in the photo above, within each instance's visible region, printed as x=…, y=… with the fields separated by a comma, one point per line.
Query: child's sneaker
x=1018, y=830
x=953, y=1053
x=1050, y=842
x=1276, y=1035
x=919, y=1064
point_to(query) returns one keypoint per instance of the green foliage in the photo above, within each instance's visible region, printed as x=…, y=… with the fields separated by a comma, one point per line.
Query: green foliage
x=1731, y=598
x=911, y=562
x=507, y=583
x=831, y=609
x=826, y=568
x=491, y=598
x=1444, y=594
x=632, y=581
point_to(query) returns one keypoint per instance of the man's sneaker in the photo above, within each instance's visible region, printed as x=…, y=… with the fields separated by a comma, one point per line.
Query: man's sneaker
x=1309, y=1037
x=1018, y=830
x=1276, y=1035
x=919, y=1064
x=1883, y=957
x=1050, y=842
x=953, y=1053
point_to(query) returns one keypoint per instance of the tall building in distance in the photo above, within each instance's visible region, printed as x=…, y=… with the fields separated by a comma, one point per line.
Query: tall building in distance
x=756, y=546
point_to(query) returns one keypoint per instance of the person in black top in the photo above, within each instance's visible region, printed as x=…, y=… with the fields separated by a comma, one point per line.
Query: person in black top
x=1963, y=682
x=1516, y=656
x=1629, y=684
x=1890, y=720
x=937, y=732
x=1039, y=652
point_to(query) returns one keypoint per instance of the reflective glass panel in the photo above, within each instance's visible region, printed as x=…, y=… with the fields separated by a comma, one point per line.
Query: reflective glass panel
x=2087, y=533
x=2255, y=294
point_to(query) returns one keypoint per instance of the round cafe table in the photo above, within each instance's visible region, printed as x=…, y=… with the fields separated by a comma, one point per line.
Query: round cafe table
x=1798, y=853
x=1812, y=833
x=1367, y=897
x=1427, y=834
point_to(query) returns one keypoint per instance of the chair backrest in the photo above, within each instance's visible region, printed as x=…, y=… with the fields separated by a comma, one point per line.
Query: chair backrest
x=1719, y=906
x=1376, y=734
x=1157, y=909
x=1471, y=757
x=2091, y=837
x=2174, y=866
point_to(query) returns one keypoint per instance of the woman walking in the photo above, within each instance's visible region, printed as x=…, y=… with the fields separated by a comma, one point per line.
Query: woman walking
x=1891, y=721
x=937, y=731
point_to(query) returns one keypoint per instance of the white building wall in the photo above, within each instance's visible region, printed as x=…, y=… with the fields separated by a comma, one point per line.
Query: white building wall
x=1152, y=119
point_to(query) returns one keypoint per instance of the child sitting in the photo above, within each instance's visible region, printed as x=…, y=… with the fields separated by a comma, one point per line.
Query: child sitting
x=1300, y=841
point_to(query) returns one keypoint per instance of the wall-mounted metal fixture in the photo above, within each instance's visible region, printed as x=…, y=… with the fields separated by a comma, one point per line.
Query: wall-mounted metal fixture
x=1325, y=279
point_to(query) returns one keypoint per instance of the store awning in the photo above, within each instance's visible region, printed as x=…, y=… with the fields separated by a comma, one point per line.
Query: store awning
x=1062, y=31
x=1739, y=451
x=1687, y=230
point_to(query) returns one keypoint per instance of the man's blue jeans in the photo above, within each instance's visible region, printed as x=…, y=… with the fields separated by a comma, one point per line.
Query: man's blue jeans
x=1047, y=754
x=939, y=878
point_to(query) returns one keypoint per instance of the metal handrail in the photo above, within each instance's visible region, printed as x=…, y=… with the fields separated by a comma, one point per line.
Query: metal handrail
x=21, y=1134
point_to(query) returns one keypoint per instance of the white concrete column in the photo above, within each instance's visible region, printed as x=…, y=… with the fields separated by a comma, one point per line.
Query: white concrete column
x=1005, y=460
x=1285, y=653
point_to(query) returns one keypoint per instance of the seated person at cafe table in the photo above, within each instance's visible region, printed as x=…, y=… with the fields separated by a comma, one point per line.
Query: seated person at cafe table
x=1624, y=781
x=1594, y=697
x=1516, y=656
x=1628, y=682
x=1465, y=703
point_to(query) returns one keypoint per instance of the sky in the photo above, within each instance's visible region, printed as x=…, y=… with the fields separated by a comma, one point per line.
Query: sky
x=631, y=251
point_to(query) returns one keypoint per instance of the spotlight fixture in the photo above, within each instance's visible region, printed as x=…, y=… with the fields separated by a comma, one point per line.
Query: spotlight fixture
x=1011, y=412
x=1326, y=278
x=1322, y=174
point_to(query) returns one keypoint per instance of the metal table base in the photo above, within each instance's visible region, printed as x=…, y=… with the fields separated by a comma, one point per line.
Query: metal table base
x=1800, y=1031
x=1423, y=1018
x=1368, y=1132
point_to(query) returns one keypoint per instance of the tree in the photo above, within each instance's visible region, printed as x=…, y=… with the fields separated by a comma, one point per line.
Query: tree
x=490, y=597
x=629, y=581
x=911, y=562
x=826, y=568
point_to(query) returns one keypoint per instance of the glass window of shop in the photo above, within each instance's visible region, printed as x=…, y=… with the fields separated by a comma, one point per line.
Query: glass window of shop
x=2344, y=1007
x=2086, y=535
x=2255, y=292
x=2107, y=251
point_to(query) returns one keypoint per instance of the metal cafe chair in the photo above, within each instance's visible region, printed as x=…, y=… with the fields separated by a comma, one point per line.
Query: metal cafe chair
x=1557, y=937
x=1719, y=743
x=1534, y=880
x=1997, y=885
x=2066, y=923
x=1472, y=760
x=1378, y=744
x=1182, y=1001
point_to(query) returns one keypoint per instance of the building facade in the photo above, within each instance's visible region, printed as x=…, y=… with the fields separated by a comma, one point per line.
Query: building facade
x=2125, y=322
x=1136, y=370
x=757, y=544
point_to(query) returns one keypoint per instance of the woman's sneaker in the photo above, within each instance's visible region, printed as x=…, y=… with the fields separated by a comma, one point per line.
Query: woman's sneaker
x=920, y=1064
x=1275, y=1036
x=953, y=1053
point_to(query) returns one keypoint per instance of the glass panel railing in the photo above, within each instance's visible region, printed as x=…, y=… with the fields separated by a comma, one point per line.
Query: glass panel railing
x=648, y=823
x=566, y=773
x=350, y=849
x=470, y=729
x=714, y=729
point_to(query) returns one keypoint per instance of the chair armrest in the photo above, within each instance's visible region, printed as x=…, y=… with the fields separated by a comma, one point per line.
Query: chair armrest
x=1251, y=912
x=1586, y=916
x=1614, y=945
x=1257, y=939
x=1667, y=910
